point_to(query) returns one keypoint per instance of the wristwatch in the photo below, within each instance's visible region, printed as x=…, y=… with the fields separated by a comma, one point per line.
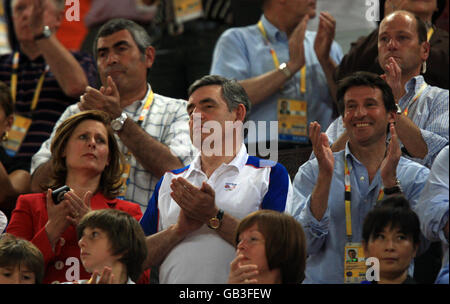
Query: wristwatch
x=46, y=33
x=117, y=124
x=283, y=68
x=393, y=190
x=214, y=222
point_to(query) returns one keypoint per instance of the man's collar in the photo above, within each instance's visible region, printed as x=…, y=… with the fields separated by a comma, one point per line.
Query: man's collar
x=238, y=161
x=349, y=155
x=414, y=83
x=273, y=33
x=139, y=103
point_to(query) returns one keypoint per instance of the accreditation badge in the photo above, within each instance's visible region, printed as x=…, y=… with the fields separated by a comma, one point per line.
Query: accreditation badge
x=186, y=10
x=126, y=168
x=17, y=134
x=292, y=120
x=354, y=263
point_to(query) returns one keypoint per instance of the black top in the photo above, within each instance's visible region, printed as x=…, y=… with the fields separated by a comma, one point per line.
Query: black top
x=10, y=164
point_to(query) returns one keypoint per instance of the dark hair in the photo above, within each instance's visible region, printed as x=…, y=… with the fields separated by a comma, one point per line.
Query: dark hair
x=285, y=242
x=139, y=34
x=393, y=212
x=15, y=251
x=125, y=236
x=368, y=79
x=5, y=99
x=110, y=181
x=233, y=93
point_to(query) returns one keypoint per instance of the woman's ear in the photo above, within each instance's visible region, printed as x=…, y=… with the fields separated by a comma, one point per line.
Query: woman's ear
x=416, y=248
x=365, y=248
x=9, y=121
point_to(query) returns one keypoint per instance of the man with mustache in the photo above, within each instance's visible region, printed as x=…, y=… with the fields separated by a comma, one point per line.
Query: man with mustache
x=423, y=113
x=334, y=191
x=152, y=129
x=44, y=77
x=194, y=211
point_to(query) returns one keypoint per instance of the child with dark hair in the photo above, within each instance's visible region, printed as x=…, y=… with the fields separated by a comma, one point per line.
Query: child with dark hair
x=21, y=262
x=391, y=233
x=112, y=247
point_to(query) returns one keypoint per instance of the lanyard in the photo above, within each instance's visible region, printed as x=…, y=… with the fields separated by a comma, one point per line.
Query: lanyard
x=144, y=112
x=146, y=107
x=277, y=63
x=348, y=197
x=430, y=33
x=37, y=92
x=422, y=87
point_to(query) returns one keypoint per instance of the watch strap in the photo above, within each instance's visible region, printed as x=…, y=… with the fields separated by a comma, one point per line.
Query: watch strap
x=393, y=190
x=214, y=223
x=46, y=33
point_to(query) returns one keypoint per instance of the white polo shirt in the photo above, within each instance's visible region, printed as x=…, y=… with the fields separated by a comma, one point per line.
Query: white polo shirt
x=244, y=185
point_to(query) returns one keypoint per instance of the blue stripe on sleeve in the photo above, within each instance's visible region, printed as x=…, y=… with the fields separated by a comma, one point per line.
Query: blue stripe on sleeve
x=276, y=196
x=149, y=221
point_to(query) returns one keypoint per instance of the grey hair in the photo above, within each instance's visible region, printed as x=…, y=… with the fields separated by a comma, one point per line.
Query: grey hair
x=139, y=34
x=233, y=93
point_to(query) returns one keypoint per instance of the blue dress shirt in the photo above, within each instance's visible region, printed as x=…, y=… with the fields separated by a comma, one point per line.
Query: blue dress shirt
x=326, y=238
x=242, y=53
x=432, y=208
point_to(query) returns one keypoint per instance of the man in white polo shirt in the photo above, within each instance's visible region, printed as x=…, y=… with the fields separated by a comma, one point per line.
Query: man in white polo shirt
x=194, y=211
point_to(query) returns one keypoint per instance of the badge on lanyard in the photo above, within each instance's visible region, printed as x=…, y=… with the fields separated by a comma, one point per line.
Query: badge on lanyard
x=125, y=167
x=354, y=263
x=21, y=124
x=186, y=10
x=292, y=119
x=17, y=134
x=354, y=257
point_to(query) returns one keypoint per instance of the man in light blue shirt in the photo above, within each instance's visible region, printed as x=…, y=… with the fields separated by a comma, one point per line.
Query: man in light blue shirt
x=432, y=208
x=367, y=105
x=268, y=59
x=423, y=114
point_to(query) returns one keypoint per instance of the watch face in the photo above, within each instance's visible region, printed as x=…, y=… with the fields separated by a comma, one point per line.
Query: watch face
x=214, y=223
x=116, y=125
x=47, y=32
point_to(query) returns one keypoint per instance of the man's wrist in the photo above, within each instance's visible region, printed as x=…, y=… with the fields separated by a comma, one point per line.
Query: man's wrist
x=293, y=68
x=394, y=188
x=43, y=34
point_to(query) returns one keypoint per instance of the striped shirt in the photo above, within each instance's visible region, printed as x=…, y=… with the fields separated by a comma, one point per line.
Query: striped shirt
x=52, y=100
x=167, y=121
x=429, y=112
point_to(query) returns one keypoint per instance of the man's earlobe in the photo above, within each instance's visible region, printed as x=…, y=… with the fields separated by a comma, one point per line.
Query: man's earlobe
x=149, y=56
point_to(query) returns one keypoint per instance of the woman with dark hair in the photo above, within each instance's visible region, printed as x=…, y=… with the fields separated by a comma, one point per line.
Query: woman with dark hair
x=270, y=249
x=86, y=158
x=391, y=233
